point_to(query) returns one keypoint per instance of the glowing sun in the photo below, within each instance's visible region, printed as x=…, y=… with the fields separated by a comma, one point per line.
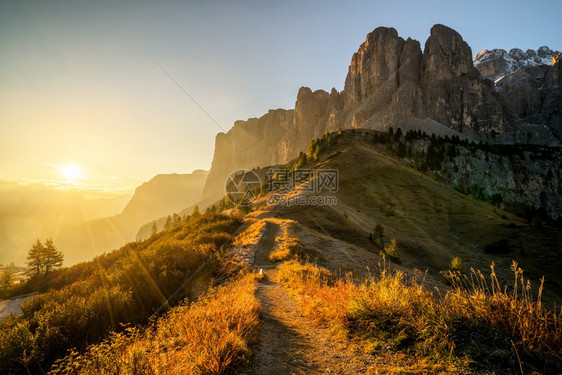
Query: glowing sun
x=71, y=172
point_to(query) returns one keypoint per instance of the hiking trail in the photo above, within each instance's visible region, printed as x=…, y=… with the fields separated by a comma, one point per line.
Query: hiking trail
x=288, y=342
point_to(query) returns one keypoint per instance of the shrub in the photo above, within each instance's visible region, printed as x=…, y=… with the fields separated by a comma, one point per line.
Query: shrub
x=280, y=255
x=210, y=336
x=287, y=247
x=124, y=286
x=456, y=264
x=392, y=251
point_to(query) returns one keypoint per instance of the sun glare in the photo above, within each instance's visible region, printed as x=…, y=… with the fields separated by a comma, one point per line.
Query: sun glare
x=71, y=172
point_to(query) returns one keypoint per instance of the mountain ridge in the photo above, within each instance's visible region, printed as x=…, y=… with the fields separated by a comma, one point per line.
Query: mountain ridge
x=496, y=63
x=530, y=82
x=162, y=195
x=391, y=82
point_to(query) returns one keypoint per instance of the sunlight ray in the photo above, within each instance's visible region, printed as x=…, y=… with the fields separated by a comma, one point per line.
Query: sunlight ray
x=103, y=276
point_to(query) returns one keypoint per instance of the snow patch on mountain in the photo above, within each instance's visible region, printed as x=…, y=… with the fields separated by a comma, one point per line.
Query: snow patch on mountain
x=496, y=63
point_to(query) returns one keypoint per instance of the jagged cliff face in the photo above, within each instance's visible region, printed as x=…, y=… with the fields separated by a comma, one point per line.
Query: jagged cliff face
x=390, y=82
x=525, y=180
x=249, y=144
x=496, y=63
x=454, y=92
x=530, y=83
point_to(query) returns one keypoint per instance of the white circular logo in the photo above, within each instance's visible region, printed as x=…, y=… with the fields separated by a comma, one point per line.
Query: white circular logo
x=242, y=187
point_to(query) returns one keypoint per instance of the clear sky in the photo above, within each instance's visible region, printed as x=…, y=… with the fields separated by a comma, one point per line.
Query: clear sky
x=78, y=85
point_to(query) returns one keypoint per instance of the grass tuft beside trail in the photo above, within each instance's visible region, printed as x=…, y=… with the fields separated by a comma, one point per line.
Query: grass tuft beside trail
x=475, y=326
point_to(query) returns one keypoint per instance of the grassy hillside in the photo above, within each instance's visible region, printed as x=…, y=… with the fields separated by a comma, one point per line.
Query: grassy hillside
x=128, y=285
x=475, y=327
x=209, y=336
x=431, y=222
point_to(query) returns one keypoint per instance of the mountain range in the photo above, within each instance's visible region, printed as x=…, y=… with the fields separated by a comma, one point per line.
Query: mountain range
x=392, y=82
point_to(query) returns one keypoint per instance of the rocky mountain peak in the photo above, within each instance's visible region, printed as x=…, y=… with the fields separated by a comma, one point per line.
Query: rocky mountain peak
x=446, y=54
x=529, y=82
x=372, y=70
x=496, y=63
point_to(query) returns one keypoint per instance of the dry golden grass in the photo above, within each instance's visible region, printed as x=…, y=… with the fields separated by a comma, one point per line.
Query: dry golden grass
x=252, y=235
x=473, y=327
x=210, y=336
x=286, y=246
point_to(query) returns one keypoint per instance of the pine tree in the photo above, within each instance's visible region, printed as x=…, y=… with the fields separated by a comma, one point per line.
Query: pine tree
x=316, y=152
x=195, y=212
x=168, y=224
x=392, y=251
x=302, y=159
x=52, y=258
x=311, y=148
x=401, y=150
x=35, y=259
x=154, y=229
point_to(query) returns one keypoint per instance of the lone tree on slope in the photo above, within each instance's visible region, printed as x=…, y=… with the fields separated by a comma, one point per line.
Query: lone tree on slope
x=52, y=258
x=35, y=259
x=42, y=259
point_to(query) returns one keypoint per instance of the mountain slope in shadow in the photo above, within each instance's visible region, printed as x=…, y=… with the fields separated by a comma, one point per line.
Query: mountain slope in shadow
x=162, y=195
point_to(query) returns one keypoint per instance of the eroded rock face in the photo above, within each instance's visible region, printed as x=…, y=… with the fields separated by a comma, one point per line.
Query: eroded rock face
x=528, y=179
x=274, y=138
x=534, y=91
x=390, y=80
x=374, y=69
x=446, y=55
x=453, y=90
x=551, y=111
x=248, y=144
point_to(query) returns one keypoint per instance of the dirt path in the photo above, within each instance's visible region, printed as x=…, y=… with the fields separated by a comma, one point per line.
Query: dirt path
x=288, y=343
x=266, y=244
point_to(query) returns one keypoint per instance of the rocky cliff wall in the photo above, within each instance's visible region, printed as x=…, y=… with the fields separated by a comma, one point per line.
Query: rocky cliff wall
x=390, y=82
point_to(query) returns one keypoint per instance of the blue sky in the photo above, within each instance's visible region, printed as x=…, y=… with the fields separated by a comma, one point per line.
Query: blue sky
x=78, y=84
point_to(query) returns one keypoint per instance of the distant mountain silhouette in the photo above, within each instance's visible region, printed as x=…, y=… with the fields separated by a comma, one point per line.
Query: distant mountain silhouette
x=162, y=195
